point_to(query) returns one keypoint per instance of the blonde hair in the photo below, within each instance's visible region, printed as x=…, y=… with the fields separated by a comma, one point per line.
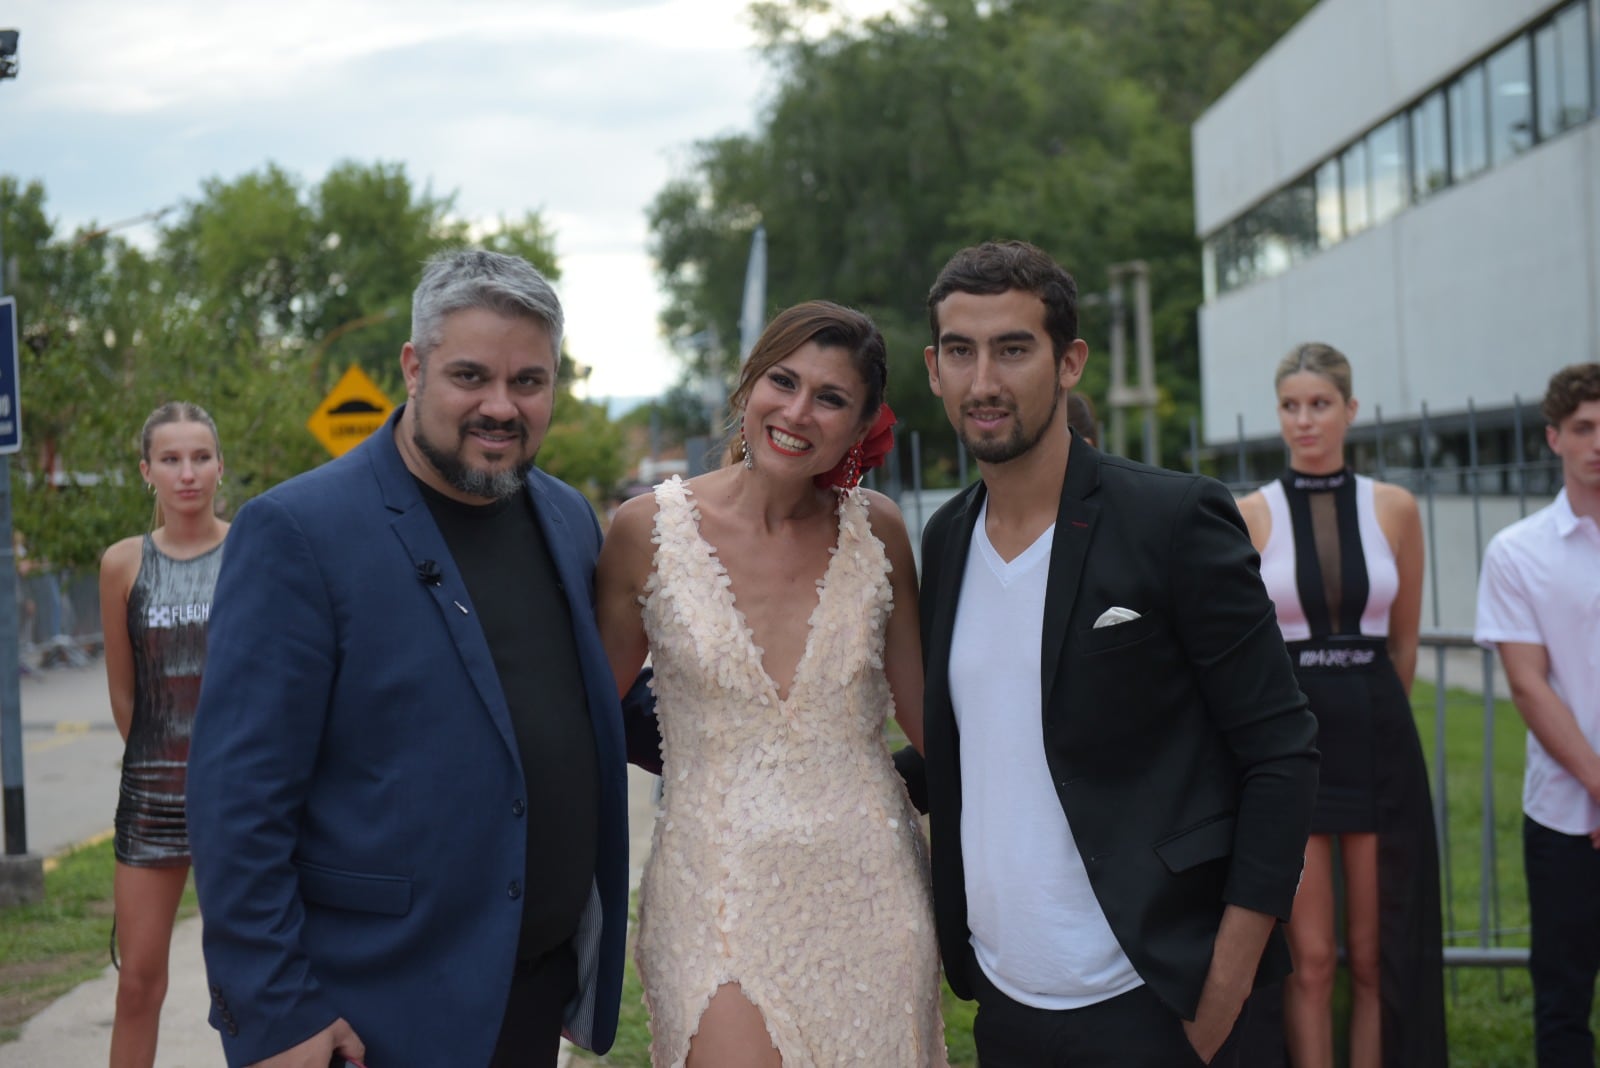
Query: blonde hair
x=1319, y=359
x=173, y=412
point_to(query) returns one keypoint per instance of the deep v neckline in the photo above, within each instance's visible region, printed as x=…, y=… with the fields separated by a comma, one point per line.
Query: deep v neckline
x=730, y=600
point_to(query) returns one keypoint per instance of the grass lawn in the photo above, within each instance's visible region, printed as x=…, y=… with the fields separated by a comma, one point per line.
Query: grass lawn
x=48, y=948
x=1488, y=1011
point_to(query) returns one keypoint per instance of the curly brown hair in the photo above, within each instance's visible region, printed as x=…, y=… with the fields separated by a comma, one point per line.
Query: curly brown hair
x=1570, y=387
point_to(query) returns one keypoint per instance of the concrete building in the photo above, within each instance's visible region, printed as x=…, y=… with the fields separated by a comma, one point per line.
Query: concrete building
x=1416, y=182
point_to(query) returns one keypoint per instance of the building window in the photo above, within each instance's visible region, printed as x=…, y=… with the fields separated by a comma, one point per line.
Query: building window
x=1233, y=251
x=1543, y=82
x=1430, y=166
x=1561, y=58
x=1469, y=148
x=1330, y=224
x=1353, y=173
x=1386, y=153
x=1510, y=75
x=1287, y=227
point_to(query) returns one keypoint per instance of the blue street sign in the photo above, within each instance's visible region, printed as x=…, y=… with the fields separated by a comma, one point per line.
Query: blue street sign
x=10, y=393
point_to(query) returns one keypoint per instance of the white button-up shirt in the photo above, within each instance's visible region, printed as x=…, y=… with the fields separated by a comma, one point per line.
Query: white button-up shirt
x=1541, y=586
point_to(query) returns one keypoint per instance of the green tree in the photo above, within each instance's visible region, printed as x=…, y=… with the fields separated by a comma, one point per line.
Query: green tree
x=257, y=291
x=890, y=143
x=584, y=447
x=372, y=231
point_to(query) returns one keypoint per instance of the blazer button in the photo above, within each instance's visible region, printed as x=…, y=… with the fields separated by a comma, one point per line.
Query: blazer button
x=518, y=808
x=514, y=890
x=233, y=1029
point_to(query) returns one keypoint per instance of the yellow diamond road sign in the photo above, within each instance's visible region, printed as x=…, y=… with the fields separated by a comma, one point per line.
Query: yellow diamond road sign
x=352, y=409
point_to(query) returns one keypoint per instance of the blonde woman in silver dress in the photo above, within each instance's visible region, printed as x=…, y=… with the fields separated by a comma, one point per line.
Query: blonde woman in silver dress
x=785, y=913
x=155, y=599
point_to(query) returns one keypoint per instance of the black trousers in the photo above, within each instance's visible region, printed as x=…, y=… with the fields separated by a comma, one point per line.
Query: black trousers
x=1564, y=911
x=530, y=1033
x=1132, y=1030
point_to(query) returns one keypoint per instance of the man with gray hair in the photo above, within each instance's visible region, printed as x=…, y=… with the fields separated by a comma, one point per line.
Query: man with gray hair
x=407, y=788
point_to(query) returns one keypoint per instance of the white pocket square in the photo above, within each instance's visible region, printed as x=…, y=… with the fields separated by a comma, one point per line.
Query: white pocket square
x=1112, y=616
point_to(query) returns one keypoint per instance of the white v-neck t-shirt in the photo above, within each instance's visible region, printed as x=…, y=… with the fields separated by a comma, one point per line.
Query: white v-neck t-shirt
x=1037, y=929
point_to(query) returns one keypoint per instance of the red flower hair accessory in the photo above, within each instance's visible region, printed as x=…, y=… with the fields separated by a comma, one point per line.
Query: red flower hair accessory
x=864, y=455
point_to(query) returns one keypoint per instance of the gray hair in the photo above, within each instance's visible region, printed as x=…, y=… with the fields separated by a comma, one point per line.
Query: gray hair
x=476, y=278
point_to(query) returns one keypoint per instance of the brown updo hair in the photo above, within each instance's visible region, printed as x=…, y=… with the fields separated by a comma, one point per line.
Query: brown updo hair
x=831, y=326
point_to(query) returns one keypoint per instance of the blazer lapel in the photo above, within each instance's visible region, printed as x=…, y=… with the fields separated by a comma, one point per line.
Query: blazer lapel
x=559, y=539
x=952, y=566
x=567, y=547
x=1075, y=520
x=419, y=535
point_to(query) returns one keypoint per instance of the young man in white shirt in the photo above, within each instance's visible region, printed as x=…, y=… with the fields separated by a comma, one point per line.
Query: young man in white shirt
x=1539, y=604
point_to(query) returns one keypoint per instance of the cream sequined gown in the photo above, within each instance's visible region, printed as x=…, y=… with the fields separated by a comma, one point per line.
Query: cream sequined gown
x=787, y=857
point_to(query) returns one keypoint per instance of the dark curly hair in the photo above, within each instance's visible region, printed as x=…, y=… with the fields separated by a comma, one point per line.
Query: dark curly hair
x=1570, y=387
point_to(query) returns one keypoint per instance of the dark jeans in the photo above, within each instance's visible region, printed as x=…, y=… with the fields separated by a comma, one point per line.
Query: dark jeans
x=530, y=1033
x=1564, y=911
x=1132, y=1030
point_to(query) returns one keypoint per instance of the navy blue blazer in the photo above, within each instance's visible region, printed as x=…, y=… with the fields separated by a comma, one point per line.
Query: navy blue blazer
x=355, y=794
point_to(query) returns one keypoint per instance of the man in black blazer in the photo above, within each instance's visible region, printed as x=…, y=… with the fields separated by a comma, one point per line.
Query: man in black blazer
x=1120, y=767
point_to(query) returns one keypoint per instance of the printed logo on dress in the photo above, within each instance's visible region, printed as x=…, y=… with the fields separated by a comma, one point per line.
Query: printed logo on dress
x=166, y=616
x=1336, y=658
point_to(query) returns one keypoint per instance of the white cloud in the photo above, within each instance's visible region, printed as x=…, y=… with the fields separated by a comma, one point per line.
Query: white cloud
x=578, y=109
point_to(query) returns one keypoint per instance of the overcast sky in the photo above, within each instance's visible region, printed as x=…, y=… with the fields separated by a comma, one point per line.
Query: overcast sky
x=579, y=109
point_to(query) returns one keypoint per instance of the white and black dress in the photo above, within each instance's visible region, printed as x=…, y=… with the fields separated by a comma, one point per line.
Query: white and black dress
x=1332, y=577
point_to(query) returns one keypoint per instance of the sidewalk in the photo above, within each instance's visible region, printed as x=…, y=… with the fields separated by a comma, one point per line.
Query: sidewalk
x=71, y=756
x=76, y=1030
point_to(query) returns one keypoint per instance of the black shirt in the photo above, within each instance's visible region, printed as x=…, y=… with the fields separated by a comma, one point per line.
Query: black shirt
x=518, y=600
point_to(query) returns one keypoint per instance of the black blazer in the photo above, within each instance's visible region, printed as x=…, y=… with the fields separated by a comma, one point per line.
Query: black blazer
x=1181, y=748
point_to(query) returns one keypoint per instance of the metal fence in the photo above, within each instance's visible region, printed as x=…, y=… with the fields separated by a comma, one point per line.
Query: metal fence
x=58, y=618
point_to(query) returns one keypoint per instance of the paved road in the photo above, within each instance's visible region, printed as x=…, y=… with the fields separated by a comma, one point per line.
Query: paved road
x=71, y=756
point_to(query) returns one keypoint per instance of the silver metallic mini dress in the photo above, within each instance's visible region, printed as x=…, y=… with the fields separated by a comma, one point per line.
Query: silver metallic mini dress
x=167, y=612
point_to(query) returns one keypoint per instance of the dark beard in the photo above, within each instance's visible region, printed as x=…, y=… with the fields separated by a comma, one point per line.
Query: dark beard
x=1017, y=443
x=489, y=485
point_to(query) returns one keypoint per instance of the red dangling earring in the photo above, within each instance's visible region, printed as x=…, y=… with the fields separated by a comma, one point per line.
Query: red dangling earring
x=852, y=466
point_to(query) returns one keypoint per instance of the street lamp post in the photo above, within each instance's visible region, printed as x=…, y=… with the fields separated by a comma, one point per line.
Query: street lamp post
x=8, y=53
x=1144, y=395
x=21, y=874
x=714, y=394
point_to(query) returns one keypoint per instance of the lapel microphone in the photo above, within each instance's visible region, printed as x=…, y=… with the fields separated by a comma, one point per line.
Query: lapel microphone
x=429, y=572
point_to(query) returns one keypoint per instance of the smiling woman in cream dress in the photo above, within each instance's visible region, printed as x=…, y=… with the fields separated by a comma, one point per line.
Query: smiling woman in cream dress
x=785, y=912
